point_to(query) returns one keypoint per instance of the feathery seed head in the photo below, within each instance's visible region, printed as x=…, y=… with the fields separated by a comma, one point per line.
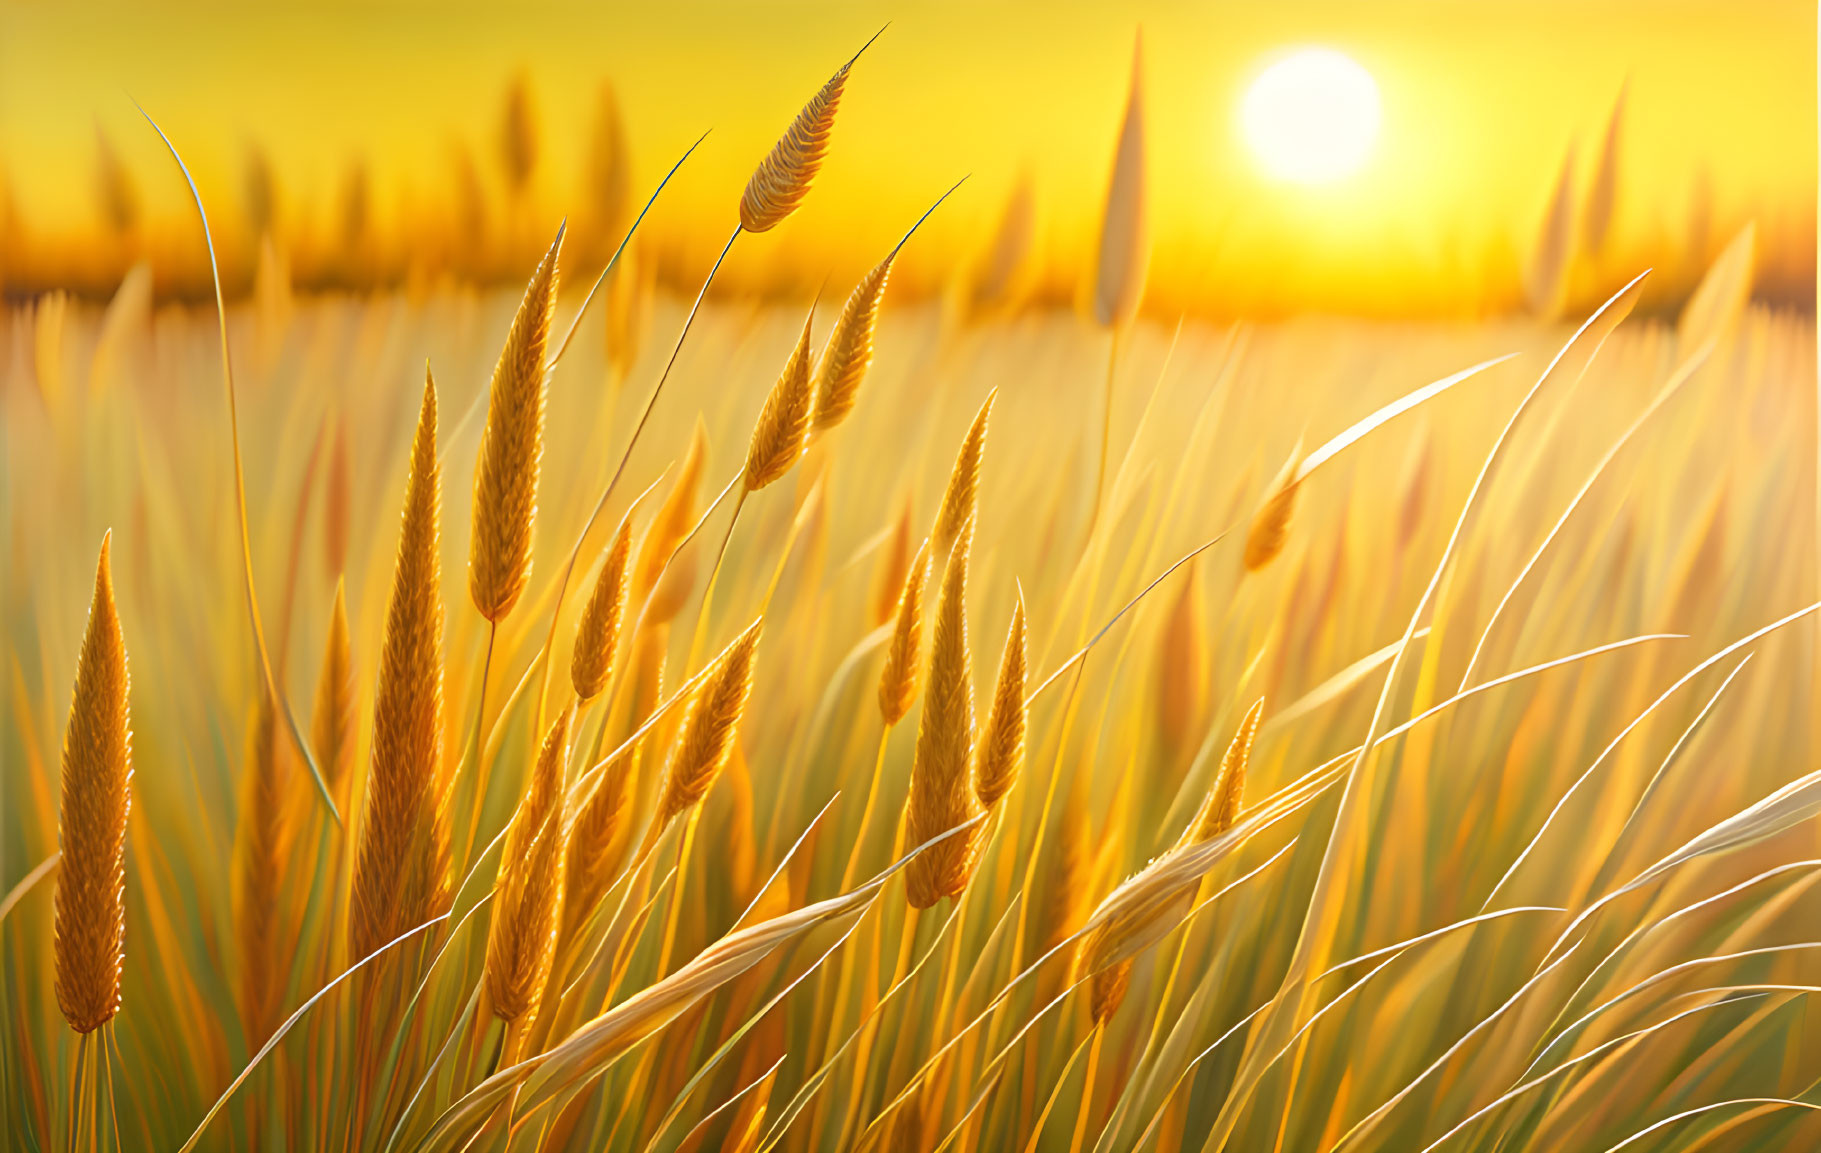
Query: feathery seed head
x=1001, y=753
x=401, y=873
x=259, y=854
x=707, y=735
x=1271, y=524
x=781, y=181
x=941, y=795
x=89, y=917
x=521, y=941
x=511, y=451
x=898, y=679
x=778, y=437
x=1107, y=989
x=332, y=719
x=961, y=497
x=597, y=840
x=849, y=351
x=597, y=636
x=1221, y=806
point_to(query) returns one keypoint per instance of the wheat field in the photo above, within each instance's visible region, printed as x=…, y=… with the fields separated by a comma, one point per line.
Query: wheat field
x=525, y=718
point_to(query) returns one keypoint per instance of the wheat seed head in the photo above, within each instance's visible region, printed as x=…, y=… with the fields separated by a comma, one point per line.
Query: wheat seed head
x=89, y=919
x=598, y=839
x=259, y=855
x=898, y=679
x=1107, y=989
x=522, y=937
x=941, y=794
x=400, y=875
x=1271, y=524
x=597, y=636
x=1221, y=806
x=332, y=717
x=1001, y=753
x=511, y=451
x=779, y=435
x=962, y=495
x=707, y=734
x=781, y=181
x=849, y=351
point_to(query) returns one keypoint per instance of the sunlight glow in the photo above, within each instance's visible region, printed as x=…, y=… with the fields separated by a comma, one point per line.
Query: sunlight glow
x=1312, y=117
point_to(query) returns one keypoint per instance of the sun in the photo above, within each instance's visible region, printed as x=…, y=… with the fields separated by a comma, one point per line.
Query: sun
x=1312, y=116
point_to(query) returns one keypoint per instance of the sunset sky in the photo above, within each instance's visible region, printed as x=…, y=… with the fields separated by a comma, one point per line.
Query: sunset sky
x=1481, y=100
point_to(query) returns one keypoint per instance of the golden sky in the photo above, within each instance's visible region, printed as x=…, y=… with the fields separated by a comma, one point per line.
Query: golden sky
x=1481, y=100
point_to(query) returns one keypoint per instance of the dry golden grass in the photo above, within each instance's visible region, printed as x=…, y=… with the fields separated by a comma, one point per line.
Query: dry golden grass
x=1443, y=787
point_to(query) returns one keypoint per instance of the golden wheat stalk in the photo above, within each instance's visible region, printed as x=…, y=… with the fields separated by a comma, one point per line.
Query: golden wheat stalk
x=962, y=495
x=941, y=795
x=898, y=679
x=401, y=873
x=263, y=960
x=521, y=941
x=597, y=635
x=1001, y=752
x=779, y=434
x=781, y=181
x=511, y=451
x=707, y=734
x=332, y=717
x=89, y=918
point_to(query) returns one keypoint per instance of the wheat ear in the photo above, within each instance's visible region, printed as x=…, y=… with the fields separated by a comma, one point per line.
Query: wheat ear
x=962, y=496
x=707, y=734
x=779, y=435
x=332, y=717
x=511, y=451
x=597, y=636
x=941, y=795
x=781, y=181
x=521, y=941
x=401, y=873
x=1001, y=752
x=89, y=918
x=898, y=679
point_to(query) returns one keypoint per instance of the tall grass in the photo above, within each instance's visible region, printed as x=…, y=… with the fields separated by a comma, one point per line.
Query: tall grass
x=1433, y=804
